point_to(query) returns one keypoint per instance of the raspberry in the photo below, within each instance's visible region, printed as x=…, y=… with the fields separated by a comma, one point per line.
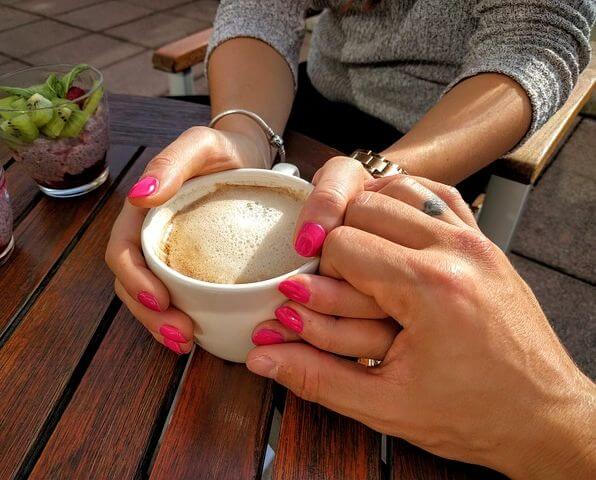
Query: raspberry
x=74, y=93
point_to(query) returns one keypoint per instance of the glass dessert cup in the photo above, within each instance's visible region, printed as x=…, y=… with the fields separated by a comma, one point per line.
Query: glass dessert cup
x=54, y=120
x=6, y=237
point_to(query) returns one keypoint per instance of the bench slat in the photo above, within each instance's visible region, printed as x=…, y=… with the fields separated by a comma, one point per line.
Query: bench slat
x=177, y=56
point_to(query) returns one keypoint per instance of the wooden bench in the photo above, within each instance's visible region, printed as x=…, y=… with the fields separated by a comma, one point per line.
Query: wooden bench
x=514, y=175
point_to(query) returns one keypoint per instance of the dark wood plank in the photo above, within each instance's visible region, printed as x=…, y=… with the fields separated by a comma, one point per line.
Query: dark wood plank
x=152, y=122
x=42, y=236
x=38, y=360
x=308, y=154
x=408, y=462
x=156, y=122
x=220, y=423
x=316, y=443
x=107, y=427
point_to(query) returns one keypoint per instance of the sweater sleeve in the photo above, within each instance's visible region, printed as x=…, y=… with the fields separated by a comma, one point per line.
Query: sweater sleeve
x=279, y=23
x=541, y=44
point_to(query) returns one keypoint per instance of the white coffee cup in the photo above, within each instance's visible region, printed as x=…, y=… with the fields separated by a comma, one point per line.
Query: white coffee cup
x=224, y=315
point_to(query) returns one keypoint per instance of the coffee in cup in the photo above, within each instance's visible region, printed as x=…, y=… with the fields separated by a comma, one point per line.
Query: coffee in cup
x=236, y=234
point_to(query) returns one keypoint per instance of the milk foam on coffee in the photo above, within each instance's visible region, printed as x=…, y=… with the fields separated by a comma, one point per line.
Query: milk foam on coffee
x=236, y=234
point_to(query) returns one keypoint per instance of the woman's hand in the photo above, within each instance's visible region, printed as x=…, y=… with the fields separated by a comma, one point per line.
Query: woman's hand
x=476, y=373
x=198, y=151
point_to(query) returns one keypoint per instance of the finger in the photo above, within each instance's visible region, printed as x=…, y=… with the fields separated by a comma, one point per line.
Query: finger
x=341, y=385
x=449, y=194
x=339, y=180
x=375, y=266
x=330, y=296
x=125, y=259
x=355, y=337
x=410, y=191
x=171, y=328
x=188, y=156
x=394, y=220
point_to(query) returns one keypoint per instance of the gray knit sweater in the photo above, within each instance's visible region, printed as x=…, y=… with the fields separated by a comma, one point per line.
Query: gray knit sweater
x=396, y=60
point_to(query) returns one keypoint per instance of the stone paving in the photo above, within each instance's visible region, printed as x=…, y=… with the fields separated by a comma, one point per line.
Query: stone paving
x=554, y=249
x=118, y=37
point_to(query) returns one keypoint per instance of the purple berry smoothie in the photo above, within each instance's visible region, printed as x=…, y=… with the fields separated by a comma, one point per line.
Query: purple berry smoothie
x=69, y=162
x=5, y=217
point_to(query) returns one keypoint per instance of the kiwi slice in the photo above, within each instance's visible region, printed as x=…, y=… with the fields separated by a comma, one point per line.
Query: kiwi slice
x=63, y=102
x=54, y=127
x=92, y=102
x=6, y=106
x=75, y=124
x=9, y=140
x=20, y=104
x=21, y=127
x=40, y=108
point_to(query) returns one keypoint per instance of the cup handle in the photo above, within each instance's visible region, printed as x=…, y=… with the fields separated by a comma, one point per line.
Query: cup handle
x=287, y=169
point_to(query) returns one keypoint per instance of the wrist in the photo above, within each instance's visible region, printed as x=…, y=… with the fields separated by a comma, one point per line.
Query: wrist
x=557, y=443
x=251, y=139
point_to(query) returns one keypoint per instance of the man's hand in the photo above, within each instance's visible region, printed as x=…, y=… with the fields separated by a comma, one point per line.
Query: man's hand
x=476, y=373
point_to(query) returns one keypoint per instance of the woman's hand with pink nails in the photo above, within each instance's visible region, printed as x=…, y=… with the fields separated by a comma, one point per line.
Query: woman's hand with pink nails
x=198, y=151
x=331, y=315
x=353, y=337
x=336, y=183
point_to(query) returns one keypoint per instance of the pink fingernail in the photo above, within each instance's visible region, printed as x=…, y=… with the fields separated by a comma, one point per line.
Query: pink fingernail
x=172, y=345
x=267, y=337
x=294, y=291
x=144, y=187
x=149, y=301
x=168, y=331
x=310, y=239
x=290, y=318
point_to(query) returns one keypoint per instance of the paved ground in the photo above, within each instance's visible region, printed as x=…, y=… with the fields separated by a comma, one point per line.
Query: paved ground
x=555, y=245
x=116, y=36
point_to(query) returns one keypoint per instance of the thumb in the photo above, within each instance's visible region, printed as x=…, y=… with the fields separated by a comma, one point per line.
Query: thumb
x=337, y=182
x=340, y=385
x=183, y=159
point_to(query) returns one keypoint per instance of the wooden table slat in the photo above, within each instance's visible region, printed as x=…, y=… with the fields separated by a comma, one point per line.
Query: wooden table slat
x=106, y=430
x=152, y=122
x=316, y=443
x=408, y=462
x=42, y=236
x=220, y=423
x=38, y=360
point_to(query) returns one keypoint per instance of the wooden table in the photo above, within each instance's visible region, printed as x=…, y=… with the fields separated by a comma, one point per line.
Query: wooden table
x=86, y=393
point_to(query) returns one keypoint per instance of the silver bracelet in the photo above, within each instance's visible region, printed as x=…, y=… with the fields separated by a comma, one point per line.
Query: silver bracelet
x=273, y=138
